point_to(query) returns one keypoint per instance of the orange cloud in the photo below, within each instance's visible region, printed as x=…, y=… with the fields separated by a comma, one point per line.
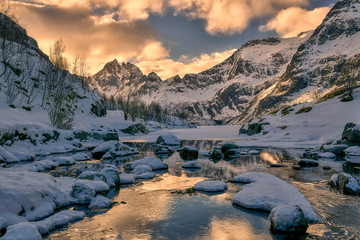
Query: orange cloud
x=292, y=21
x=167, y=67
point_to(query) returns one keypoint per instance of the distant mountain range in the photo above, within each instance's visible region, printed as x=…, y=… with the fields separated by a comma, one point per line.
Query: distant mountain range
x=259, y=77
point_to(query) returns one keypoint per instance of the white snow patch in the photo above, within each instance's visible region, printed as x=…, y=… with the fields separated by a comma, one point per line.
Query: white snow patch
x=210, y=186
x=154, y=163
x=99, y=202
x=265, y=192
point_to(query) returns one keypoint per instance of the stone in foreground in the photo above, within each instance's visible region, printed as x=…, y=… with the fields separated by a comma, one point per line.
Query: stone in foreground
x=285, y=218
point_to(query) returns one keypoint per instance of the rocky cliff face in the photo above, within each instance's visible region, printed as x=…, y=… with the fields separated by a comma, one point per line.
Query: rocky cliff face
x=316, y=66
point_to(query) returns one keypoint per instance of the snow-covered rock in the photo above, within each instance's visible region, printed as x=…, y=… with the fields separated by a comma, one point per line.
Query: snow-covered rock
x=126, y=178
x=22, y=156
x=337, y=149
x=139, y=169
x=191, y=164
x=63, y=161
x=154, y=163
x=9, y=157
x=29, y=194
x=346, y=183
x=83, y=192
x=112, y=149
x=90, y=175
x=265, y=192
x=327, y=155
x=353, y=151
x=22, y=231
x=285, y=218
x=170, y=140
x=57, y=220
x=210, y=186
x=99, y=202
x=111, y=174
x=80, y=157
x=2, y=162
x=145, y=175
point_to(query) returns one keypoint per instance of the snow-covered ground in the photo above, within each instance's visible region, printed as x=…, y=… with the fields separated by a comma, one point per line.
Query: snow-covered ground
x=324, y=122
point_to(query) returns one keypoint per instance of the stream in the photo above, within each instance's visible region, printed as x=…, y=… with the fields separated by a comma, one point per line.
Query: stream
x=165, y=208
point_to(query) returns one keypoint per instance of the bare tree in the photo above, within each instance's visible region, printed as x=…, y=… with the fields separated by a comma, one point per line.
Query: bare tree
x=349, y=76
x=56, y=55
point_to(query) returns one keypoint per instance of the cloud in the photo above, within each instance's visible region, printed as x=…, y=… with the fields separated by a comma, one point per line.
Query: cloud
x=294, y=20
x=98, y=37
x=167, y=67
x=220, y=16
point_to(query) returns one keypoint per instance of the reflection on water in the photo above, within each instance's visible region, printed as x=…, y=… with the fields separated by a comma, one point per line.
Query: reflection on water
x=151, y=210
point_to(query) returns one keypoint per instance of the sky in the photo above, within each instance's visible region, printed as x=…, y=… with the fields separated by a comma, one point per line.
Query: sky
x=169, y=37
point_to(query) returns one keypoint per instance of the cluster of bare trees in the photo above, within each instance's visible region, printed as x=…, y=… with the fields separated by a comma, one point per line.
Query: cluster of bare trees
x=350, y=75
x=134, y=108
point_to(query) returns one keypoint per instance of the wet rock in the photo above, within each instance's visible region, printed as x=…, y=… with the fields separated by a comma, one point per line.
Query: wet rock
x=232, y=153
x=346, y=183
x=227, y=146
x=163, y=149
x=351, y=132
x=297, y=167
x=326, y=167
x=112, y=149
x=308, y=163
x=285, y=218
x=170, y=140
x=277, y=165
x=189, y=153
x=136, y=128
x=216, y=154
x=145, y=175
x=192, y=164
x=337, y=149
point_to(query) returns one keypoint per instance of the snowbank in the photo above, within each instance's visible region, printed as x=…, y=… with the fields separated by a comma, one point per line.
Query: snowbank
x=265, y=192
x=154, y=163
x=210, y=186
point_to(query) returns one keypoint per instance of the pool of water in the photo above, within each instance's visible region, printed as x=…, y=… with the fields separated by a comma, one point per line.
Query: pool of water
x=162, y=208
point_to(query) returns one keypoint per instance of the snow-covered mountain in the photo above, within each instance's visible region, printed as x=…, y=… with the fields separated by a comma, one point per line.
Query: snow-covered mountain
x=221, y=92
x=259, y=77
x=316, y=66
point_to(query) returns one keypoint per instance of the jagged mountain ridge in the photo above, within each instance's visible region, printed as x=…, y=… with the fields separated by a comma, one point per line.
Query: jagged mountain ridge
x=215, y=94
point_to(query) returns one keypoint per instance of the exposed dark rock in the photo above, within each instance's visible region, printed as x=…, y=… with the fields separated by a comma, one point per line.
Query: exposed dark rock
x=351, y=133
x=227, y=146
x=136, y=128
x=308, y=163
x=189, y=153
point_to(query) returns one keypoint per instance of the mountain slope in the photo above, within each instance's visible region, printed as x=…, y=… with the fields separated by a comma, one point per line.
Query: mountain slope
x=30, y=85
x=315, y=68
x=215, y=94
